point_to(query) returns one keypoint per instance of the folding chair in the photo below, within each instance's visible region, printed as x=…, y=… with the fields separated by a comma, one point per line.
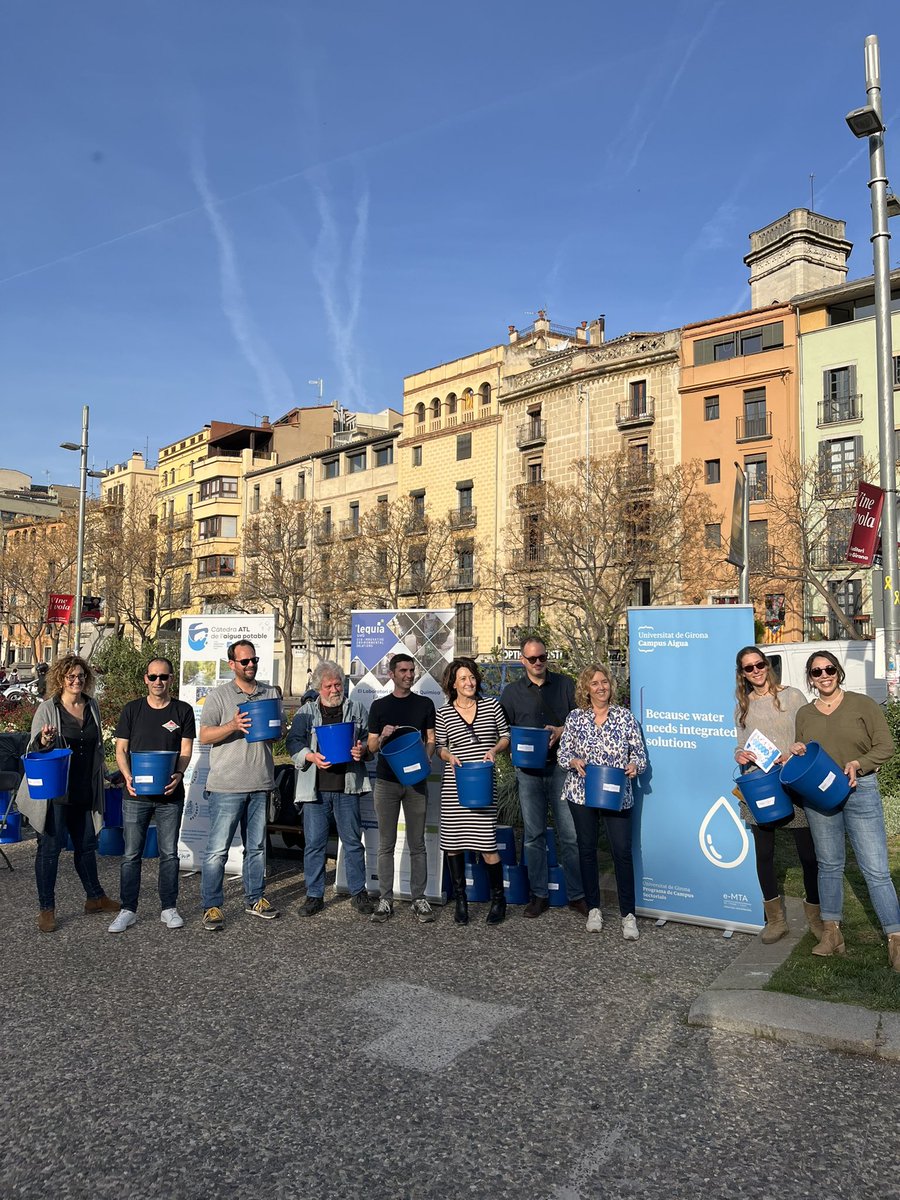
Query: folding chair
x=9, y=782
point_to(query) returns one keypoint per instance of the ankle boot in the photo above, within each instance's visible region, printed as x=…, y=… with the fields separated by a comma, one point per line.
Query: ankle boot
x=894, y=950
x=456, y=864
x=776, y=921
x=497, y=911
x=832, y=940
x=814, y=920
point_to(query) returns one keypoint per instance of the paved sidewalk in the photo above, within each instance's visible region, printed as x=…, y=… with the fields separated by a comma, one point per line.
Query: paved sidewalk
x=736, y=1003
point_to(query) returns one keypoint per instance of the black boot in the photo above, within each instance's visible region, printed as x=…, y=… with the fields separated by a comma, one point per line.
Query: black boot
x=497, y=911
x=457, y=866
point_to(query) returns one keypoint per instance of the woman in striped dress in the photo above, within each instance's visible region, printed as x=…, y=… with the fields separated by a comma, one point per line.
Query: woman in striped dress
x=469, y=728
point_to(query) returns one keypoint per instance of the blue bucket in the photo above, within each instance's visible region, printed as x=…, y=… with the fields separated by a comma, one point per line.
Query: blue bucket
x=335, y=741
x=765, y=797
x=604, y=787
x=556, y=888
x=475, y=784
x=12, y=831
x=550, y=837
x=265, y=719
x=47, y=774
x=112, y=841
x=151, y=843
x=529, y=747
x=506, y=845
x=151, y=771
x=478, y=885
x=406, y=757
x=816, y=778
x=515, y=884
x=112, y=808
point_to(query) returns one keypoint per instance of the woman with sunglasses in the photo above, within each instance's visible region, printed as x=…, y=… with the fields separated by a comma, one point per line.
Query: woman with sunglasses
x=69, y=717
x=853, y=730
x=469, y=728
x=764, y=705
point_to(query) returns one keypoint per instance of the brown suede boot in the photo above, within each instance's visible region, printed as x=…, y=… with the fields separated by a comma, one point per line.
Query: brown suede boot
x=101, y=904
x=832, y=940
x=814, y=920
x=894, y=950
x=776, y=921
x=47, y=920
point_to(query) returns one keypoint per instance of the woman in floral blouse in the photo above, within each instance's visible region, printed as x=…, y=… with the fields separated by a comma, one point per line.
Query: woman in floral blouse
x=598, y=731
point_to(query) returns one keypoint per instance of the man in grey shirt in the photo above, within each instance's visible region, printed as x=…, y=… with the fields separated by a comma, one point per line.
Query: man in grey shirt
x=241, y=775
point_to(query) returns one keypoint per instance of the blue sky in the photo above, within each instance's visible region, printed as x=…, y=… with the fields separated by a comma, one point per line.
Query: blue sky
x=206, y=203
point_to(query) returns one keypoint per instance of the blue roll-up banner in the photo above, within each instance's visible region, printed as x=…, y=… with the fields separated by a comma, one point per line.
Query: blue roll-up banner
x=693, y=856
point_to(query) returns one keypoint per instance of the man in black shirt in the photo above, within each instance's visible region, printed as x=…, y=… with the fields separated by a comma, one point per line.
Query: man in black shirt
x=156, y=722
x=541, y=699
x=387, y=716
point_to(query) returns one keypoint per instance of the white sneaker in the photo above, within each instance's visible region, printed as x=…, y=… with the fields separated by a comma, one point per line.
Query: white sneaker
x=124, y=918
x=594, y=921
x=629, y=928
x=172, y=918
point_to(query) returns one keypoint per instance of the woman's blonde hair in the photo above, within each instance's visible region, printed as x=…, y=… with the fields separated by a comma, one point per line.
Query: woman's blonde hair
x=56, y=676
x=582, y=687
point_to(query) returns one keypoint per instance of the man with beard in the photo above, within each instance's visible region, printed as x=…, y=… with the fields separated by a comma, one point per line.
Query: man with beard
x=241, y=775
x=325, y=789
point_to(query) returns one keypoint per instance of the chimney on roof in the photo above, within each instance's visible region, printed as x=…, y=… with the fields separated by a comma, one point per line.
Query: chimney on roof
x=264, y=421
x=597, y=330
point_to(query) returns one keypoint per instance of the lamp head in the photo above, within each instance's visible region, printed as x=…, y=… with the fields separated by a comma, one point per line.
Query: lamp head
x=68, y=446
x=864, y=122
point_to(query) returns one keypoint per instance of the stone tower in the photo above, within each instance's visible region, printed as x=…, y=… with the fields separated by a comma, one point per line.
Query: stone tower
x=800, y=252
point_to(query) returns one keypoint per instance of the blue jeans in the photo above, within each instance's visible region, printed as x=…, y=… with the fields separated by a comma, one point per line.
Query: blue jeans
x=79, y=824
x=618, y=832
x=136, y=816
x=227, y=810
x=862, y=819
x=537, y=791
x=316, y=814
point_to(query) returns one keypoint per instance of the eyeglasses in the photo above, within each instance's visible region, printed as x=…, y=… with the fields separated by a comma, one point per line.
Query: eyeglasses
x=815, y=672
x=245, y=662
x=74, y=679
x=534, y=658
x=162, y=678
x=751, y=667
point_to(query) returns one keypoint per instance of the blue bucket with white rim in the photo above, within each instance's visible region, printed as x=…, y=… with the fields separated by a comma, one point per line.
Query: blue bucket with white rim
x=475, y=784
x=265, y=719
x=529, y=748
x=764, y=796
x=605, y=787
x=405, y=755
x=48, y=773
x=151, y=771
x=816, y=779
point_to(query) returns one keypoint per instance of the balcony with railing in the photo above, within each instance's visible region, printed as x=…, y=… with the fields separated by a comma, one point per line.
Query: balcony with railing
x=414, y=583
x=416, y=522
x=463, y=580
x=327, y=632
x=324, y=532
x=835, y=483
x=531, y=433
x=832, y=553
x=762, y=560
x=463, y=518
x=823, y=627
x=759, y=489
x=636, y=412
x=350, y=527
x=531, y=495
x=532, y=558
x=833, y=410
x=640, y=475
x=754, y=429
x=466, y=644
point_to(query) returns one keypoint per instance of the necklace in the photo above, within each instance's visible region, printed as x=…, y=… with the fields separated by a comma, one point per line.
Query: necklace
x=465, y=707
x=835, y=699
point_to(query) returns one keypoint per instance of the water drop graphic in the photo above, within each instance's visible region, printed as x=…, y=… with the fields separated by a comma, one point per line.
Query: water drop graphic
x=717, y=835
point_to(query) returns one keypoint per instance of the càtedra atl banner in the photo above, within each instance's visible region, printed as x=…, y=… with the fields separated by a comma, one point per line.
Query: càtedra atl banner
x=693, y=856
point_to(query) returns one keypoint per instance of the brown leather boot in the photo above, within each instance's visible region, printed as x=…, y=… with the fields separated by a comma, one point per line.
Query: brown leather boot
x=894, y=950
x=814, y=920
x=47, y=920
x=101, y=904
x=776, y=921
x=832, y=940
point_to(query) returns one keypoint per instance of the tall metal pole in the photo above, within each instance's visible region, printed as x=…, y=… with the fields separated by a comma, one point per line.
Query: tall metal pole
x=883, y=352
x=79, y=570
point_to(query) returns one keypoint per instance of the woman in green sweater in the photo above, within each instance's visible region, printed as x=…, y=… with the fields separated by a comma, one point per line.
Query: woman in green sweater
x=853, y=730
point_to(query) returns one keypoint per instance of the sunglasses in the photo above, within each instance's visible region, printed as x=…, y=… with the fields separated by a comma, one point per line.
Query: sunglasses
x=245, y=662
x=751, y=667
x=815, y=672
x=163, y=678
x=534, y=658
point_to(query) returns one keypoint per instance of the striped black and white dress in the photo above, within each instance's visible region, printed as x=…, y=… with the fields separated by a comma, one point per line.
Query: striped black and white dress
x=468, y=828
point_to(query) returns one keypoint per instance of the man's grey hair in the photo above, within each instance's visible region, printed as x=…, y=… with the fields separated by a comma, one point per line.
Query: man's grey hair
x=327, y=670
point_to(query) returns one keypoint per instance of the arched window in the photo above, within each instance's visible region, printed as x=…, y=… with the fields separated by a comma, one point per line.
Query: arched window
x=420, y=413
x=435, y=411
x=468, y=404
x=485, y=393
x=451, y=405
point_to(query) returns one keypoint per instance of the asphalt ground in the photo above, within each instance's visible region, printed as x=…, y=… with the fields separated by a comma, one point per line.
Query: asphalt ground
x=330, y=1057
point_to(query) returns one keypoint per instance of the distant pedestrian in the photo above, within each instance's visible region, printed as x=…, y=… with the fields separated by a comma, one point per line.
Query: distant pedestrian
x=155, y=722
x=241, y=775
x=398, y=713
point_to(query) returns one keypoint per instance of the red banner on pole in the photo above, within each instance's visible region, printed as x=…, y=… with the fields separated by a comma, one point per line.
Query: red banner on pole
x=59, y=610
x=866, y=519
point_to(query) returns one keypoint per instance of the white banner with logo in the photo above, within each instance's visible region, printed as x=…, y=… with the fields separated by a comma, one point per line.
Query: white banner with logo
x=204, y=666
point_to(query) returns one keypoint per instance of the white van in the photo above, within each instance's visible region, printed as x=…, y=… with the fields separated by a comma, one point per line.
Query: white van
x=862, y=661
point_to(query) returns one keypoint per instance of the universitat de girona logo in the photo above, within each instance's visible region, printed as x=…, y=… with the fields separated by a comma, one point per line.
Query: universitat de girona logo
x=720, y=824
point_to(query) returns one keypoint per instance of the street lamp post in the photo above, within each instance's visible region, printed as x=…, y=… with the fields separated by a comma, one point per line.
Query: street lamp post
x=82, y=496
x=868, y=122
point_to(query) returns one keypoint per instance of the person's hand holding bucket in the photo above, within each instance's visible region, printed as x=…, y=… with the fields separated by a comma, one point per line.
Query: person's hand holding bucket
x=240, y=722
x=631, y=770
x=579, y=766
x=358, y=752
x=48, y=736
x=317, y=760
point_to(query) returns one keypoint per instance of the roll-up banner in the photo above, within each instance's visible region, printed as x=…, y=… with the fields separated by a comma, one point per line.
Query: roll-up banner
x=429, y=637
x=204, y=666
x=693, y=856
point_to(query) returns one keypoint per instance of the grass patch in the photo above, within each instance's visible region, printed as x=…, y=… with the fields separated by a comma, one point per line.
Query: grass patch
x=863, y=976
